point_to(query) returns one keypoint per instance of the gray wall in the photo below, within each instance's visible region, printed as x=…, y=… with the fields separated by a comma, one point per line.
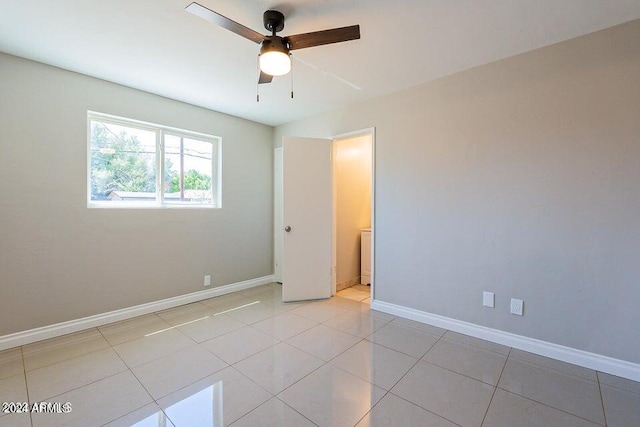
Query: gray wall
x=60, y=260
x=520, y=177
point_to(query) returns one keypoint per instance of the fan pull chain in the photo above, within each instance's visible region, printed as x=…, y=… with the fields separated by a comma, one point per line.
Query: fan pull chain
x=258, y=80
x=291, y=59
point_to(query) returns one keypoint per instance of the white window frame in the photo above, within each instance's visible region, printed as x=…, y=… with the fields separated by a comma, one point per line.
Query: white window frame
x=160, y=131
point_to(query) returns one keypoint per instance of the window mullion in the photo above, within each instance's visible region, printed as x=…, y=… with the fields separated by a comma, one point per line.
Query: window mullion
x=181, y=169
x=160, y=168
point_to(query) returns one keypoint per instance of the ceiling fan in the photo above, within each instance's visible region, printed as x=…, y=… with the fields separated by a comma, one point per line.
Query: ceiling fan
x=275, y=57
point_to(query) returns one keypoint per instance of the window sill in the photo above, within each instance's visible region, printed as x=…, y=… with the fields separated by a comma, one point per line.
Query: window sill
x=111, y=205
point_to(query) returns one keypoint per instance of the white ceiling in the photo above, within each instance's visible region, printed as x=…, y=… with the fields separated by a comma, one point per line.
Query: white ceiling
x=155, y=46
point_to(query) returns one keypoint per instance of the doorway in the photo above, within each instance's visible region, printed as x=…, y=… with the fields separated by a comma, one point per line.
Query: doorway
x=306, y=219
x=353, y=212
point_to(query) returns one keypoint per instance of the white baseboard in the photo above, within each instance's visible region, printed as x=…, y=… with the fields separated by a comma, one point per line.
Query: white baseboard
x=582, y=358
x=348, y=283
x=37, y=334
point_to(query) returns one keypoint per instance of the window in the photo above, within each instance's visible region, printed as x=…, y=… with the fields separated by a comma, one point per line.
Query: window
x=137, y=164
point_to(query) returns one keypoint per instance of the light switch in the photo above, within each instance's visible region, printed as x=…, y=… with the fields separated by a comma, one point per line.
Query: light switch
x=488, y=299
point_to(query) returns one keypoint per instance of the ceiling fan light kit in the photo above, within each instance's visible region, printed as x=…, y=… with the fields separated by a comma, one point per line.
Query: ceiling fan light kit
x=275, y=51
x=275, y=59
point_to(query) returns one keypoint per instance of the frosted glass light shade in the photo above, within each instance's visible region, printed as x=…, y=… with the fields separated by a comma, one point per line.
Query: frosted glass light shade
x=275, y=63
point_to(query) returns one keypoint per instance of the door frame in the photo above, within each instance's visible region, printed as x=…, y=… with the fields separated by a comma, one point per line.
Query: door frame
x=334, y=220
x=278, y=210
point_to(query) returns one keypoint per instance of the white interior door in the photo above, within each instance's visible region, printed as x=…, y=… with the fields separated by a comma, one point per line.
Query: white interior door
x=307, y=213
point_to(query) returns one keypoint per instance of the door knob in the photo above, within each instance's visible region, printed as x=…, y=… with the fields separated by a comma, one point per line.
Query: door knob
x=287, y=229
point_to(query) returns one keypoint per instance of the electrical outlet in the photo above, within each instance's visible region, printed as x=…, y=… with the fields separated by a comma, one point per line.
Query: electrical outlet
x=517, y=306
x=207, y=280
x=488, y=299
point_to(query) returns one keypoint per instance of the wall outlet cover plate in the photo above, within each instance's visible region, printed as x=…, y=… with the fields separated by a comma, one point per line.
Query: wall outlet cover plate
x=517, y=306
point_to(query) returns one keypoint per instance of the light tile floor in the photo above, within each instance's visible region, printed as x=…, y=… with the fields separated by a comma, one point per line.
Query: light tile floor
x=248, y=359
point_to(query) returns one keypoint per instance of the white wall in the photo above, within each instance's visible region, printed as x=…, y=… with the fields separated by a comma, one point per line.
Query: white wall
x=60, y=260
x=519, y=177
x=353, y=205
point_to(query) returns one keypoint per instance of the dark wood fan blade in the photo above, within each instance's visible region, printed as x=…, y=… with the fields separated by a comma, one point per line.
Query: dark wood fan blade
x=224, y=22
x=318, y=38
x=264, y=78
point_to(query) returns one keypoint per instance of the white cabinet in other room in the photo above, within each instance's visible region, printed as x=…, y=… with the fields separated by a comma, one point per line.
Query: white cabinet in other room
x=365, y=256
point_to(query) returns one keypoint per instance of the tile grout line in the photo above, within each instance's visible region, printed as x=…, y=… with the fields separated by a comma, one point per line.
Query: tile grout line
x=322, y=360
x=295, y=335
x=412, y=330
x=314, y=370
x=402, y=377
x=265, y=402
x=67, y=359
x=92, y=382
x=278, y=343
x=552, y=407
x=561, y=371
x=166, y=355
x=547, y=405
x=604, y=413
x=431, y=412
x=72, y=358
x=26, y=384
x=84, y=385
x=187, y=385
x=314, y=320
x=337, y=355
x=232, y=365
x=276, y=395
x=257, y=385
x=244, y=358
x=294, y=409
x=155, y=314
x=134, y=376
x=397, y=322
x=464, y=375
x=200, y=379
x=495, y=388
x=155, y=401
x=318, y=368
x=457, y=341
x=324, y=324
x=192, y=344
x=371, y=409
x=372, y=343
x=54, y=338
x=386, y=322
x=618, y=387
x=254, y=409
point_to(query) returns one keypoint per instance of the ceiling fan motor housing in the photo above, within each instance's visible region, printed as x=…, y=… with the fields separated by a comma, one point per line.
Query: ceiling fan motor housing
x=274, y=43
x=273, y=21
